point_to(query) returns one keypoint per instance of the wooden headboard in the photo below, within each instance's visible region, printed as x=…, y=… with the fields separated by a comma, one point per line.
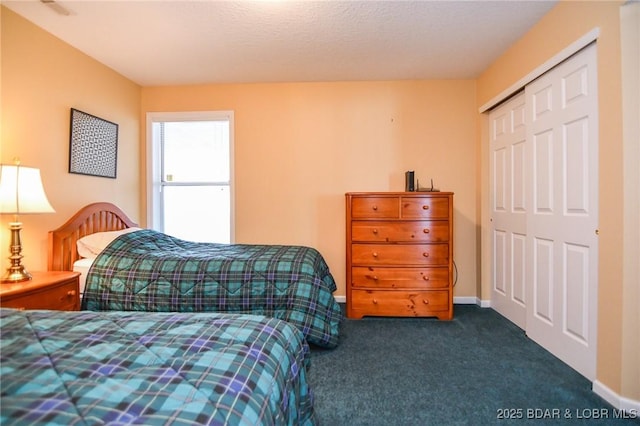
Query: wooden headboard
x=96, y=217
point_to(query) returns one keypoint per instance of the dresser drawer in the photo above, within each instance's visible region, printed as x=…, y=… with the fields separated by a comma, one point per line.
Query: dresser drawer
x=425, y=207
x=400, y=254
x=396, y=231
x=375, y=207
x=399, y=277
x=63, y=297
x=400, y=303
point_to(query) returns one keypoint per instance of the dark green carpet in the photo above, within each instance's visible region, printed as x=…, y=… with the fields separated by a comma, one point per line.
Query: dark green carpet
x=421, y=371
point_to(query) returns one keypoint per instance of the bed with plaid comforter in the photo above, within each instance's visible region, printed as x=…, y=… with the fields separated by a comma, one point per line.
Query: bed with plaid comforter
x=150, y=271
x=81, y=368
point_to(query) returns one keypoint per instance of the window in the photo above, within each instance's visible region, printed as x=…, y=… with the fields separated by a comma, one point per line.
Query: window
x=190, y=190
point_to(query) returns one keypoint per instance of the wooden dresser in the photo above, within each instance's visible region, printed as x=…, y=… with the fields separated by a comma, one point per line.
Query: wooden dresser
x=55, y=290
x=400, y=254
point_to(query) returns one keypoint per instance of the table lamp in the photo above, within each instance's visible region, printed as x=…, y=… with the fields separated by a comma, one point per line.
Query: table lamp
x=21, y=192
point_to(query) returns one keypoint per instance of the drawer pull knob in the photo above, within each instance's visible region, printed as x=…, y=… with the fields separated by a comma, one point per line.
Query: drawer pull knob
x=426, y=230
x=375, y=231
x=375, y=278
x=71, y=293
x=426, y=278
x=425, y=254
x=426, y=302
x=375, y=301
x=375, y=207
x=375, y=254
x=425, y=207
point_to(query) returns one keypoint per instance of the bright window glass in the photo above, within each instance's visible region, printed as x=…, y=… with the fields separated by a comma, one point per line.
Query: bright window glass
x=191, y=194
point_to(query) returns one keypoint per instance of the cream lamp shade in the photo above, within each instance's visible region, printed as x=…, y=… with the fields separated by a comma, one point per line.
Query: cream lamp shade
x=21, y=192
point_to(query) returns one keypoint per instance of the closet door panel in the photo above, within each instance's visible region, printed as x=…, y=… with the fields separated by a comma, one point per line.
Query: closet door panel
x=509, y=182
x=563, y=223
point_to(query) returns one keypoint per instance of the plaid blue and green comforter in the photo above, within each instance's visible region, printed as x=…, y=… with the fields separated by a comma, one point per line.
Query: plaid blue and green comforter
x=150, y=271
x=86, y=368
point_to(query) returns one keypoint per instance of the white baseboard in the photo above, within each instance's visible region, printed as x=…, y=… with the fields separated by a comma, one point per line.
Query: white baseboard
x=465, y=300
x=471, y=300
x=631, y=407
x=484, y=303
x=340, y=299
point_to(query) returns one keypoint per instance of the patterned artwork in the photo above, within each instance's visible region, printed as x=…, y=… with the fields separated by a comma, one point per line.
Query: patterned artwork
x=93, y=147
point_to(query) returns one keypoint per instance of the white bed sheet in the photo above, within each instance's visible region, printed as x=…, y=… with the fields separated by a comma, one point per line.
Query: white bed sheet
x=82, y=266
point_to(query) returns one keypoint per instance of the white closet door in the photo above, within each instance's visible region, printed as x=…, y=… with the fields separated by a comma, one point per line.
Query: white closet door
x=508, y=177
x=562, y=134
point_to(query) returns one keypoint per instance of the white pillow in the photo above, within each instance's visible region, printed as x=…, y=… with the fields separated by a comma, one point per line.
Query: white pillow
x=91, y=245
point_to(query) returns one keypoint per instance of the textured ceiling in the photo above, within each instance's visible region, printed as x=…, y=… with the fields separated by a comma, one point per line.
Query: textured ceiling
x=165, y=42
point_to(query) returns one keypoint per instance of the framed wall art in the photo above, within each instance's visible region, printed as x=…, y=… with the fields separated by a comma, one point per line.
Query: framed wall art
x=93, y=145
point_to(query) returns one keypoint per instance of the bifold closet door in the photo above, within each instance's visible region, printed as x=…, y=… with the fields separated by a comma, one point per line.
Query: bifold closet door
x=562, y=224
x=509, y=186
x=544, y=210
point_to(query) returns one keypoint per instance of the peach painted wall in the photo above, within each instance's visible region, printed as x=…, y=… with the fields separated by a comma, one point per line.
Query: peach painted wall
x=300, y=146
x=42, y=78
x=563, y=25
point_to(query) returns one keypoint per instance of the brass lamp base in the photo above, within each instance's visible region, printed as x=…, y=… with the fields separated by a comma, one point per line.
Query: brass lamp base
x=16, y=272
x=16, y=276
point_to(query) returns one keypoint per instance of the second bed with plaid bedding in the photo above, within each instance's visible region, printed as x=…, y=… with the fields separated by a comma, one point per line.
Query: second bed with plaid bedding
x=82, y=368
x=147, y=270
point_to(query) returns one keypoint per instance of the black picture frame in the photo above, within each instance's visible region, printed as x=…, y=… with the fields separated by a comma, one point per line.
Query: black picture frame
x=93, y=145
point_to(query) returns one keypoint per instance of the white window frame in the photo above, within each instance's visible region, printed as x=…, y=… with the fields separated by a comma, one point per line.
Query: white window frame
x=153, y=161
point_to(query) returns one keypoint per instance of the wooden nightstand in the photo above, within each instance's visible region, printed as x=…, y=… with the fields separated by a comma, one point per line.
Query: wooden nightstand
x=57, y=290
